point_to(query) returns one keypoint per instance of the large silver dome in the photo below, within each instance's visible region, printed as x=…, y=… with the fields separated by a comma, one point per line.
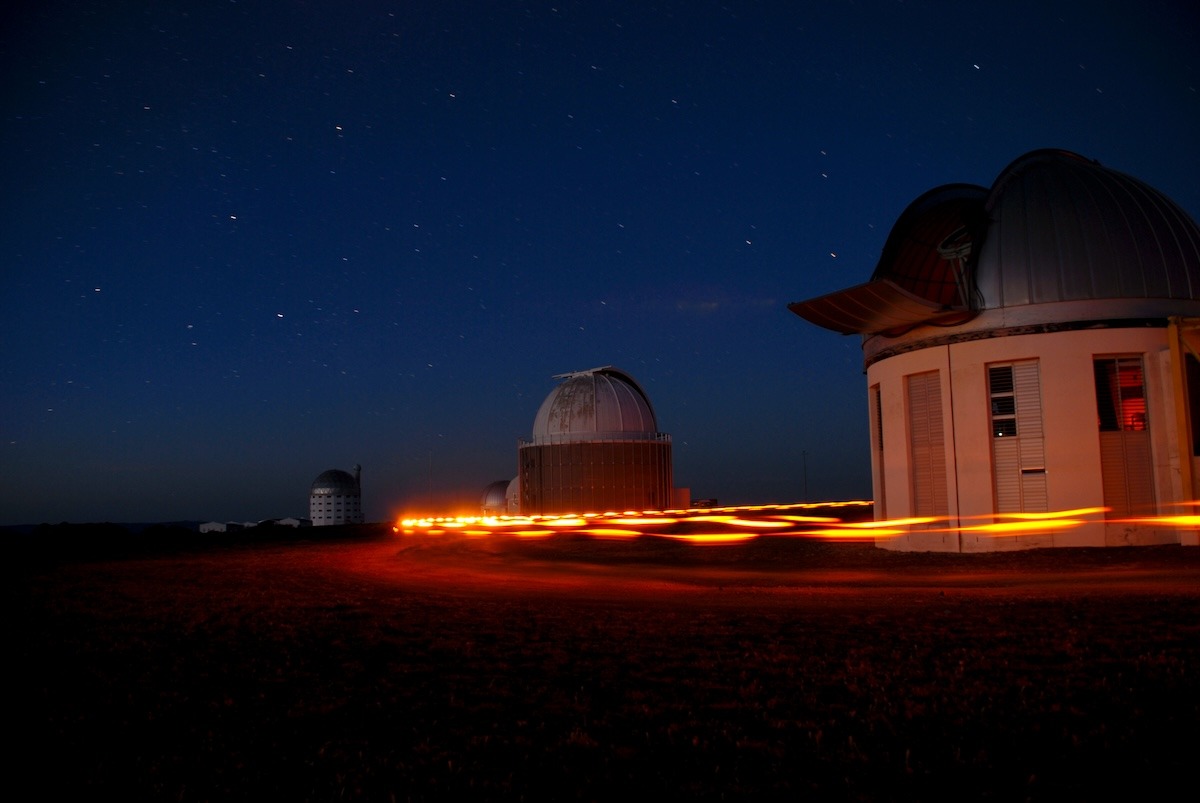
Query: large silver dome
x=1063, y=228
x=597, y=402
x=335, y=483
x=1057, y=238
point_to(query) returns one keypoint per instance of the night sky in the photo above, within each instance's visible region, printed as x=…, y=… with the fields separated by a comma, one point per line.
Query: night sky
x=246, y=242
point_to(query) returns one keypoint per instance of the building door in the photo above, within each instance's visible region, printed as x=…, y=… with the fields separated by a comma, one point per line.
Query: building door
x=1184, y=335
x=876, y=410
x=1018, y=441
x=1192, y=417
x=927, y=445
x=1125, y=460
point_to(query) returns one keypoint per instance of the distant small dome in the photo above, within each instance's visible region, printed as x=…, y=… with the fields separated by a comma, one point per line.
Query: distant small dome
x=495, y=496
x=335, y=483
x=597, y=402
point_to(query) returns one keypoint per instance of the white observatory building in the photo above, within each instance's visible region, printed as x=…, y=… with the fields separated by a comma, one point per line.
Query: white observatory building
x=336, y=498
x=1032, y=347
x=595, y=448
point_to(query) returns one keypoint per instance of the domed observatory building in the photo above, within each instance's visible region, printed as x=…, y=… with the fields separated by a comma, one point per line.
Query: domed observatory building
x=1031, y=348
x=336, y=498
x=494, y=501
x=595, y=448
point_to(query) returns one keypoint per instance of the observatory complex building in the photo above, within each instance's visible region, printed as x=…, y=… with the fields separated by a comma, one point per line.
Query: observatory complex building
x=595, y=448
x=1032, y=347
x=336, y=498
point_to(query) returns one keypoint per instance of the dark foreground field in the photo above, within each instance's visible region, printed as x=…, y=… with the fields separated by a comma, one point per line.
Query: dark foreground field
x=404, y=668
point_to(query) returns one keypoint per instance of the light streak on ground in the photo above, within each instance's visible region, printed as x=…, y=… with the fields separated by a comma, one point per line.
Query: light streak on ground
x=711, y=539
x=611, y=532
x=1019, y=527
x=702, y=526
x=732, y=525
x=1057, y=514
x=1188, y=520
x=1182, y=522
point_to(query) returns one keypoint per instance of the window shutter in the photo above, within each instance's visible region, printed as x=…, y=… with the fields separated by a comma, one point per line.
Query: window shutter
x=927, y=445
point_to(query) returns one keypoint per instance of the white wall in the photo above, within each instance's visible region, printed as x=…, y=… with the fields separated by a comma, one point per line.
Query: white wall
x=1072, y=447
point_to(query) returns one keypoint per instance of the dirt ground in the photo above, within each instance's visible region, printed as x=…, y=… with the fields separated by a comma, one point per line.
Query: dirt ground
x=423, y=668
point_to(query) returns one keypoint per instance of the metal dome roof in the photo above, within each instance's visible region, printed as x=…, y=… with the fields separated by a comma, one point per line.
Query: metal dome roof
x=1064, y=228
x=1054, y=227
x=598, y=402
x=495, y=495
x=335, y=483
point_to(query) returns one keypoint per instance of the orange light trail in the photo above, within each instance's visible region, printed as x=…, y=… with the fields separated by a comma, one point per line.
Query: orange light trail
x=734, y=525
x=611, y=532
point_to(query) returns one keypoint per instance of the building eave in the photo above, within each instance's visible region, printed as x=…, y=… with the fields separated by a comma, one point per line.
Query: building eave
x=876, y=307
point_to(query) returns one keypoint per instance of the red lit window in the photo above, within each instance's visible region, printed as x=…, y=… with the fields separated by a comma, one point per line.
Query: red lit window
x=1120, y=394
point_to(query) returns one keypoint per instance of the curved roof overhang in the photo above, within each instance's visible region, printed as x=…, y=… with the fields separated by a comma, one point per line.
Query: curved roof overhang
x=924, y=275
x=878, y=306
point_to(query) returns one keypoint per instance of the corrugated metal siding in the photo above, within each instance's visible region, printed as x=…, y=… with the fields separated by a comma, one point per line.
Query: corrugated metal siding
x=581, y=477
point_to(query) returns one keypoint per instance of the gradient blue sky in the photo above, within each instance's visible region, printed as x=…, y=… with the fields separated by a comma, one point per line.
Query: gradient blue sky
x=245, y=242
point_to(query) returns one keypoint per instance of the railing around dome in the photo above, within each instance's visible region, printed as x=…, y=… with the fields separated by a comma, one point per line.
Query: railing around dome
x=596, y=437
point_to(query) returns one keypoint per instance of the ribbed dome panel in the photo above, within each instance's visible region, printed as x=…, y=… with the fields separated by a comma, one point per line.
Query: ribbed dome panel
x=335, y=483
x=602, y=401
x=1064, y=228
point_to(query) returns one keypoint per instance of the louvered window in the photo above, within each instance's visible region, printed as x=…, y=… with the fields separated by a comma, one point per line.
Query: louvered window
x=1004, y=402
x=927, y=445
x=1018, y=440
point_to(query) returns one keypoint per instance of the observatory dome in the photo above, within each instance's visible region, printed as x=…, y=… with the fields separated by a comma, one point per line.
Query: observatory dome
x=335, y=497
x=495, y=497
x=334, y=483
x=1065, y=228
x=1030, y=347
x=597, y=402
x=1057, y=238
x=595, y=448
